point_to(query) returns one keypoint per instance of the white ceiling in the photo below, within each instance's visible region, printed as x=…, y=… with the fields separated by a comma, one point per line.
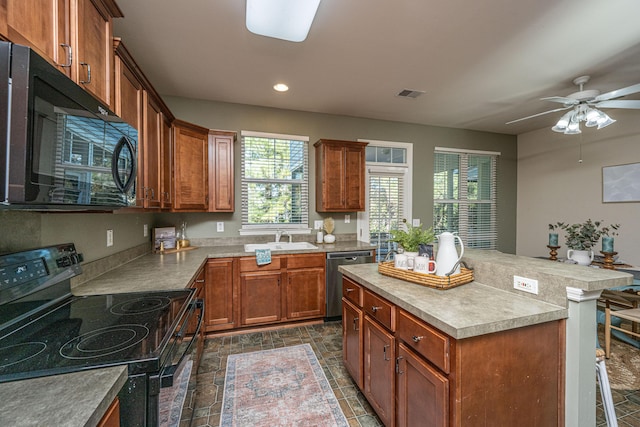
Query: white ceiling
x=481, y=63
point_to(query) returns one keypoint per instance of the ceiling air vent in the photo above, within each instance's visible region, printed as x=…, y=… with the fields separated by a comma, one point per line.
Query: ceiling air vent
x=408, y=93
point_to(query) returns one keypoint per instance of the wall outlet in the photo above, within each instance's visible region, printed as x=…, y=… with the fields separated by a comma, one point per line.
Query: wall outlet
x=145, y=230
x=347, y=219
x=318, y=224
x=415, y=222
x=220, y=227
x=109, y=238
x=525, y=284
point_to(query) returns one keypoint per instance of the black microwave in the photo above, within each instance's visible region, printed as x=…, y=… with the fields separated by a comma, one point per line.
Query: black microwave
x=59, y=147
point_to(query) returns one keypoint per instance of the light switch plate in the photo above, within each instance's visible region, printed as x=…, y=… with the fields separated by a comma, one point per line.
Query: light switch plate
x=109, y=238
x=318, y=224
x=145, y=230
x=220, y=227
x=415, y=222
x=347, y=219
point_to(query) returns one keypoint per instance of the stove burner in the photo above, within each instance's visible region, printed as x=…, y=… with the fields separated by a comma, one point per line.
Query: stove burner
x=140, y=305
x=104, y=341
x=20, y=352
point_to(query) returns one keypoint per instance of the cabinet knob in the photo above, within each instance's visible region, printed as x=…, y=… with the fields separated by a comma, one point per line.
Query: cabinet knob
x=398, y=371
x=349, y=290
x=88, y=66
x=416, y=339
x=384, y=351
x=69, y=55
x=375, y=308
x=355, y=323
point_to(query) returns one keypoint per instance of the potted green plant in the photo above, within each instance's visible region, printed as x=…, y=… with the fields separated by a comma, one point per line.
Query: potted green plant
x=410, y=238
x=580, y=239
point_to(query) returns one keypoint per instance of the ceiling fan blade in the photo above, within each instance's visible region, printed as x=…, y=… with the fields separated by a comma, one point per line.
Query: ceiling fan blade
x=561, y=100
x=618, y=93
x=539, y=114
x=619, y=104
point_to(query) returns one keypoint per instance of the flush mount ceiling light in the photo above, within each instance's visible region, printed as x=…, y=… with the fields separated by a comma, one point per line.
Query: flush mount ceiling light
x=281, y=19
x=569, y=123
x=281, y=87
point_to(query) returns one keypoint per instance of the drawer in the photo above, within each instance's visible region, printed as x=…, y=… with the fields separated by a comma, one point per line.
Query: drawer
x=430, y=343
x=305, y=261
x=249, y=264
x=379, y=309
x=352, y=291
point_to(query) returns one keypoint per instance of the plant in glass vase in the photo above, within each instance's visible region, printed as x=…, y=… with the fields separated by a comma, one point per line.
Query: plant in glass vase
x=607, y=237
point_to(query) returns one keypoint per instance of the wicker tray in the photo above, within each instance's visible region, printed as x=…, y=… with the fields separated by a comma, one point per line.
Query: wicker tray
x=431, y=280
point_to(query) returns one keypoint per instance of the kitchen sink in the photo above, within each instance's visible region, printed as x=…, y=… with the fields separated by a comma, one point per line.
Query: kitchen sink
x=279, y=246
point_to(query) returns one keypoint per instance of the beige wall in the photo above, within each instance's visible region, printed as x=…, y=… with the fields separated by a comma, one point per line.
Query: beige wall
x=554, y=186
x=237, y=117
x=22, y=230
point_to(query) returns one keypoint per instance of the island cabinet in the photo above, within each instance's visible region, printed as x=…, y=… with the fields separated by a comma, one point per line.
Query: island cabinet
x=74, y=35
x=340, y=175
x=111, y=418
x=415, y=374
x=220, y=294
x=290, y=288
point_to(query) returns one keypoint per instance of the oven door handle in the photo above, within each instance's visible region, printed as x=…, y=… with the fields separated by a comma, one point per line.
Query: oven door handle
x=168, y=374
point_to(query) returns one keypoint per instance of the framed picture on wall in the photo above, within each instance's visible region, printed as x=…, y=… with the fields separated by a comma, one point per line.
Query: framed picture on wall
x=621, y=183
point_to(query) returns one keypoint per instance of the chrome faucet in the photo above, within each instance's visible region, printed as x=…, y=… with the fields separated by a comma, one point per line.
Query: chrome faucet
x=278, y=235
x=288, y=234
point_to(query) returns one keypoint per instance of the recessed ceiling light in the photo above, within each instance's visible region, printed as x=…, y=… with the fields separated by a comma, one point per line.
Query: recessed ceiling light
x=281, y=87
x=281, y=19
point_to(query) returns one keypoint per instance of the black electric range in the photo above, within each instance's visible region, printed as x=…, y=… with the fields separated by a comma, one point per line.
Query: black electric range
x=44, y=330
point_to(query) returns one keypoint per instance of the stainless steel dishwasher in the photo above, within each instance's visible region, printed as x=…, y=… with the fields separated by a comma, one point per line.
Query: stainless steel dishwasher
x=334, y=278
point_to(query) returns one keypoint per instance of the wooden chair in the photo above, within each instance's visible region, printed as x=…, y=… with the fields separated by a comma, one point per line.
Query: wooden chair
x=627, y=309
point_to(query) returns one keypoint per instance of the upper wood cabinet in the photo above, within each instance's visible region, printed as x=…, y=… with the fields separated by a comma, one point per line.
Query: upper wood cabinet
x=166, y=149
x=221, y=176
x=74, y=35
x=91, y=35
x=190, y=157
x=340, y=176
x=41, y=24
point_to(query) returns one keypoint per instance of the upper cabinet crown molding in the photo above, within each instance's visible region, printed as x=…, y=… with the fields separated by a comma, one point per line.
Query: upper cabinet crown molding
x=340, y=175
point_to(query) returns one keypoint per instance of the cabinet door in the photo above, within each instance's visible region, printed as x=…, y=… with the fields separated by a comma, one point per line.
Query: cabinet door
x=92, y=63
x=379, y=368
x=352, y=341
x=333, y=177
x=219, y=295
x=41, y=24
x=221, y=198
x=166, y=172
x=305, y=290
x=111, y=418
x=422, y=392
x=354, y=178
x=260, y=298
x=153, y=122
x=190, y=147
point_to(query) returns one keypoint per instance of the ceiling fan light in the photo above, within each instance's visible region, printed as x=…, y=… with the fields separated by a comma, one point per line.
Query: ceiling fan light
x=592, y=117
x=605, y=121
x=573, y=130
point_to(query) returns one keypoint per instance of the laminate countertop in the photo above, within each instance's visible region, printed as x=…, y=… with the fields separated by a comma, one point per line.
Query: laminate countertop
x=81, y=398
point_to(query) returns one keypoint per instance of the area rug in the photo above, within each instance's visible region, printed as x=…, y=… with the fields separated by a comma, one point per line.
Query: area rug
x=623, y=367
x=279, y=387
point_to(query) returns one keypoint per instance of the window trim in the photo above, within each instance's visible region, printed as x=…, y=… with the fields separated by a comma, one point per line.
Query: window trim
x=260, y=229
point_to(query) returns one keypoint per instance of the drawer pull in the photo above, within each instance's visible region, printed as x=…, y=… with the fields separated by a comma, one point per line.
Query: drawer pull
x=384, y=351
x=416, y=339
x=350, y=290
x=355, y=323
x=375, y=308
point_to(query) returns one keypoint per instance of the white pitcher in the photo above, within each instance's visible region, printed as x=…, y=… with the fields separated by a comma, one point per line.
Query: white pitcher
x=447, y=256
x=581, y=257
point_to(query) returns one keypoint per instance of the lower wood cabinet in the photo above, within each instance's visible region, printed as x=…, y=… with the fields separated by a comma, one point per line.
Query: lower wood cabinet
x=352, y=340
x=413, y=374
x=261, y=298
x=220, y=294
x=306, y=286
x=422, y=392
x=379, y=364
x=111, y=418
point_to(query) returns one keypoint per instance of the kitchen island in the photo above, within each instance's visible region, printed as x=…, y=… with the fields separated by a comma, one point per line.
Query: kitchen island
x=490, y=310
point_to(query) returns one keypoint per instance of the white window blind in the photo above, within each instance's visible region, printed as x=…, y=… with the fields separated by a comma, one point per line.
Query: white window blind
x=464, y=192
x=275, y=180
x=386, y=205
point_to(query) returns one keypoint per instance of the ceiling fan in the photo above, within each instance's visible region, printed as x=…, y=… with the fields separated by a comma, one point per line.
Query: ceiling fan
x=585, y=104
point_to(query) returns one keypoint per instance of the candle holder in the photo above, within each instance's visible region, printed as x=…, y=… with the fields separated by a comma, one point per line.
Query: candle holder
x=608, y=260
x=553, y=253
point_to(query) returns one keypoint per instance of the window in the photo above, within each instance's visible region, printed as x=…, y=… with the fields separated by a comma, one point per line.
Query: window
x=388, y=192
x=464, y=193
x=275, y=181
